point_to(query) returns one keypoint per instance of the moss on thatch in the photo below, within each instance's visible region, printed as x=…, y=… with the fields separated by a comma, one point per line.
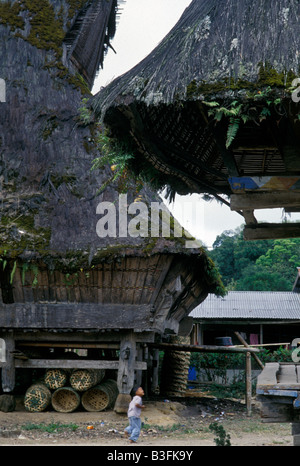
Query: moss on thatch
x=221, y=53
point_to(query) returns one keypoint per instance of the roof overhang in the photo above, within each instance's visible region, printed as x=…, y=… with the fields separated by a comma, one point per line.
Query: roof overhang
x=214, y=110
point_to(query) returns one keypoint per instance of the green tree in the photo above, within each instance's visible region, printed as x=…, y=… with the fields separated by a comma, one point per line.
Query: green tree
x=232, y=254
x=223, y=255
x=262, y=265
x=258, y=278
x=284, y=257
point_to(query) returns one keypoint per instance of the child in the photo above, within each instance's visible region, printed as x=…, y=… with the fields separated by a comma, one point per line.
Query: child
x=134, y=416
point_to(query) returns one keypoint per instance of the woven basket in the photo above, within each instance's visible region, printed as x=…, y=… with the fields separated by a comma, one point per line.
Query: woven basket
x=100, y=397
x=55, y=378
x=83, y=379
x=37, y=398
x=65, y=400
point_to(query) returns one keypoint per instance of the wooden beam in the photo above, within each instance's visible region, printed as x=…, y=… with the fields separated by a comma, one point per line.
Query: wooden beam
x=203, y=348
x=264, y=200
x=84, y=336
x=271, y=231
x=75, y=316
x=74, y=364
x=71, y=345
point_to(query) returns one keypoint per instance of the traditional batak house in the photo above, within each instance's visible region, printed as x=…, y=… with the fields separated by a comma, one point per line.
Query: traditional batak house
x=69, y=279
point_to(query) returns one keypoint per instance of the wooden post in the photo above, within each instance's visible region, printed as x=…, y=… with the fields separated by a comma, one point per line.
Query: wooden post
x=8, y=367
x=126, y=372
x=296, y=433
x=248, y=383
x=261, y=334
x=139, y=373
x=155, y=369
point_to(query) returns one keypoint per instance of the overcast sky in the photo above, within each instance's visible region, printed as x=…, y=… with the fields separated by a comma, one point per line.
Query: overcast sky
x=142, y=25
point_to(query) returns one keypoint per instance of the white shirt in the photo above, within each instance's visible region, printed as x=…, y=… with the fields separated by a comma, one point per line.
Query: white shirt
x=133, y=410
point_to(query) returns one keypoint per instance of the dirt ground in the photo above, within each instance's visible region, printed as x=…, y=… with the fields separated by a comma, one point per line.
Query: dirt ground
x=181, y=422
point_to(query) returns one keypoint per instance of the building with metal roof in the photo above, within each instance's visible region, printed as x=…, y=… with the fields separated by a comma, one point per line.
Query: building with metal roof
x=263, y=317
x=263, y=305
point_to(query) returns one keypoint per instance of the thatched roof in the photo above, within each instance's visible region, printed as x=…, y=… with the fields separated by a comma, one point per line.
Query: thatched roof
x=49, y=192
x=88, y=36
x=222, y=54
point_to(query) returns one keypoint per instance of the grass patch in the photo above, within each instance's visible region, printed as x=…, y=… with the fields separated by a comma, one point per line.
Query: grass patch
x=50, y=428
x=179, y=428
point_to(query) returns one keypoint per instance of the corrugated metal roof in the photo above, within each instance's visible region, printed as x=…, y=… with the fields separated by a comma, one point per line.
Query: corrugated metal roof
x=250, y=305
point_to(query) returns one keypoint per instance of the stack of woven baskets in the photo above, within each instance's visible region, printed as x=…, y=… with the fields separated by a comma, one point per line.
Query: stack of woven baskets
x=66, y=390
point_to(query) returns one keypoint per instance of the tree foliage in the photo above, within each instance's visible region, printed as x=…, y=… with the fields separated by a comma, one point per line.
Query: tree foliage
x=262, y=265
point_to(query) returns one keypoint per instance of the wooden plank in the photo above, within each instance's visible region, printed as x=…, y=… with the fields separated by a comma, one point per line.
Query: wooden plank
x=83, y=279
x=164, y=265
x=268, y=377
x=272, y=231
x=51, y=286
x=106, y=283
x=264, y=200
x=278, y=377
x=277, y=392
x=287, y=375
x=75, y=315
x=150, y=283
x=280, y=386
x=132, y=264
x=17, y=286
x=74, y=364
x=116, y=284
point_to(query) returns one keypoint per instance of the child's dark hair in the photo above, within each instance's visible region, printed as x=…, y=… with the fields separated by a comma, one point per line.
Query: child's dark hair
x=133, y=391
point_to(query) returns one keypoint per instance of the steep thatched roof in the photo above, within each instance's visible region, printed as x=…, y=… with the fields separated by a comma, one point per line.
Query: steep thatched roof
x=214, y=40
x=88, y=36
x=49, y=192
x=212, y=102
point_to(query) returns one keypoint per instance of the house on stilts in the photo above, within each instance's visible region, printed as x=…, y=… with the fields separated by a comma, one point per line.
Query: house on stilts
x=74, y=294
